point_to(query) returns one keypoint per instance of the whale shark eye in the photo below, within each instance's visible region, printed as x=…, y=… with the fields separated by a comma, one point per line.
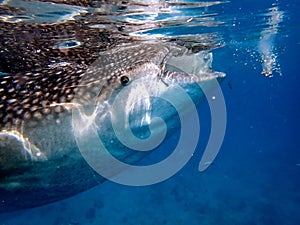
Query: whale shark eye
x=124, y=80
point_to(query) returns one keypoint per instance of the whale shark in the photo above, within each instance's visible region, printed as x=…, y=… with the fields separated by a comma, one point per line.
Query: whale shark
x=44, y=79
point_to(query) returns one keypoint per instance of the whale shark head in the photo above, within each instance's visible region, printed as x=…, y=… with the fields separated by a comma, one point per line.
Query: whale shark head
x=123, y=107
x=133, y=74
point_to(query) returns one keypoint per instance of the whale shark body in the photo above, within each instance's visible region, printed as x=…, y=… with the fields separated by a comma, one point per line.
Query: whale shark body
x=44, y=78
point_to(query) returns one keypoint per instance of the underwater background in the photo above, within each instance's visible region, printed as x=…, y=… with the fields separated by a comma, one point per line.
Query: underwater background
x=255, y=179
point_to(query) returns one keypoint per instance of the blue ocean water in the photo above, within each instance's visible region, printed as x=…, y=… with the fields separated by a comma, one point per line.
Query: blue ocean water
x=255, y=178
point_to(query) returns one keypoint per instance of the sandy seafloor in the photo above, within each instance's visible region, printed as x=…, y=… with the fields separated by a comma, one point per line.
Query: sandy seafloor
x=255, y=179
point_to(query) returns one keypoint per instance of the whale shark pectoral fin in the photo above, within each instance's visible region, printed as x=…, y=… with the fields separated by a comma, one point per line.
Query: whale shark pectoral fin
x=20, y=146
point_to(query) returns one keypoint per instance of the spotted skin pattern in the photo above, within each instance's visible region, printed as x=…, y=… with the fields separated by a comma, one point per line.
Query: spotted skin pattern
x=43, y=66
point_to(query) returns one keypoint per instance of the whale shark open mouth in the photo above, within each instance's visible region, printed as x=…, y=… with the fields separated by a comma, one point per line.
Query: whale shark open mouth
x=191, y=68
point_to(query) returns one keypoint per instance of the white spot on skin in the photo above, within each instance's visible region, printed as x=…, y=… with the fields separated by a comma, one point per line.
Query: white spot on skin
x=68, y=91
x=38, y=115
x=26, y=106
x=20, y=112
x=35, y=101
x=26, y=100
x=33, y=108
x=10, y=101
x=70, y=97
x=58, y=109
x=46, y=110
x=11, y=90
x=38, y=93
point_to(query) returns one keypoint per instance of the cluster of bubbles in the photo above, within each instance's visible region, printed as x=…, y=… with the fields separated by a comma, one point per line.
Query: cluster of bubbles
x=258, y=46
